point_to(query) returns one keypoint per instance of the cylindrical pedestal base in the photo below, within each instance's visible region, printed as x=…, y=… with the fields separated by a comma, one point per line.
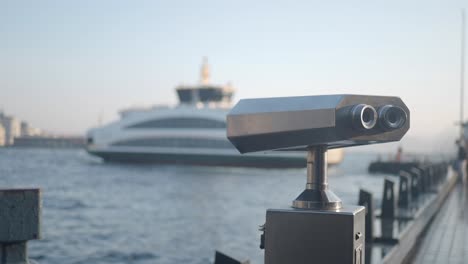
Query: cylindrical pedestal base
x=317, y=199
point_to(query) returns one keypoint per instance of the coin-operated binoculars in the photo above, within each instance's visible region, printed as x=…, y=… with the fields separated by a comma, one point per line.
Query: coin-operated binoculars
x=318, y=228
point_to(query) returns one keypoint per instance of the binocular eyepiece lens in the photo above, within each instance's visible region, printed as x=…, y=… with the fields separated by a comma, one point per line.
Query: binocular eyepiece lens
x=392, y=117
x=364, y=116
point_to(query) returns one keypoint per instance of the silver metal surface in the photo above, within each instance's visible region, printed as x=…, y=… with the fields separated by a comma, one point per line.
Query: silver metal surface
x=317, y=195
x=334, y=121
x=315, y=236
x=317, y=175
x=364, y=116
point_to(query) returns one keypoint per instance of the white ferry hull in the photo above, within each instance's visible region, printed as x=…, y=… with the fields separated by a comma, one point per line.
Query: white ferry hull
x=211, y=158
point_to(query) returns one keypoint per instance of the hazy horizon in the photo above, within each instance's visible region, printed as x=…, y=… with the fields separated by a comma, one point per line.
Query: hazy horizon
x=65, y=65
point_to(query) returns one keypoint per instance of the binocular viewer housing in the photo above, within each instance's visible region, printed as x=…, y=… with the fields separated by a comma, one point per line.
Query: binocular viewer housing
x=331, y=121
x=318, y=225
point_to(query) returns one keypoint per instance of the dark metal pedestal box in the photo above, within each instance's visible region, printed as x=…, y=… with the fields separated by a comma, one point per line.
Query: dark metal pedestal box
x=315, y=236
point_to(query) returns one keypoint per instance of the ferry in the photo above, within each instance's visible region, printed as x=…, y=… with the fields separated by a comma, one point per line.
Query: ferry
x=192, y=132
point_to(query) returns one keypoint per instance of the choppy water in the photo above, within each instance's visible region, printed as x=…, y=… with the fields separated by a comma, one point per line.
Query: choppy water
x=95, y=212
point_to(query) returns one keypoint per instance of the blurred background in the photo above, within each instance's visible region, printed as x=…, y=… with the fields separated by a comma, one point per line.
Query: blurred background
x=66, y=64
x=68, y=67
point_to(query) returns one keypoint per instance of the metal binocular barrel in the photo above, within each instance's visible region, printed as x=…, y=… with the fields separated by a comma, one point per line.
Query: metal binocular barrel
x=334, y=121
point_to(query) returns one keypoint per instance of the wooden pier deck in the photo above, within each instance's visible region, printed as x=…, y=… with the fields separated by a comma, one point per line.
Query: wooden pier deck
x=446, y=240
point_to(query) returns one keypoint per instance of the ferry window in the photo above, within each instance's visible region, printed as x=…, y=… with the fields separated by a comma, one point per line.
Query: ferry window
x=210, y=94
x=176, y=143
x=185, y=95
x=180, y=122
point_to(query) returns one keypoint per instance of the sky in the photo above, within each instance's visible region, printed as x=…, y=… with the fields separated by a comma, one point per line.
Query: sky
x=64, y=65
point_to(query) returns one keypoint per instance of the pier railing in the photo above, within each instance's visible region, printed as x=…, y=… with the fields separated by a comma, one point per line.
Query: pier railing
x=394, y=229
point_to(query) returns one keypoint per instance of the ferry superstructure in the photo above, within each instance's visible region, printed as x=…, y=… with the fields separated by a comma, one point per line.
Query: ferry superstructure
x=193, y=132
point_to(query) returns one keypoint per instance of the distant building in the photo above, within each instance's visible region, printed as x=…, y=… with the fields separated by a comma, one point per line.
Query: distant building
x=24, y=129
x=2, y=136
x=28, y=131
x=12, y=128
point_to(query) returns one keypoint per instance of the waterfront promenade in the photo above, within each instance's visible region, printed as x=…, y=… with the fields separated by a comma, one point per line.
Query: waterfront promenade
x=82, y=210
x=446, y=240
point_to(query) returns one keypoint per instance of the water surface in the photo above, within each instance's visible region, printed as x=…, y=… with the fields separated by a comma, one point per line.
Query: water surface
x=95, y=212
